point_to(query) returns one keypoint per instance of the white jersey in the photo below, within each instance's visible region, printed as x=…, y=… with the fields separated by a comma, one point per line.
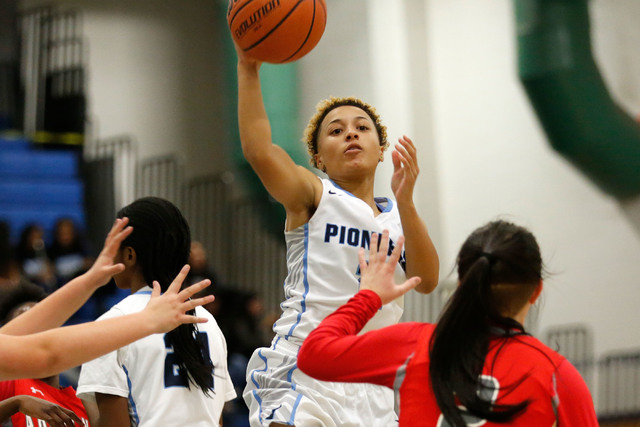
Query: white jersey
x=144, y=372
x=322, y=261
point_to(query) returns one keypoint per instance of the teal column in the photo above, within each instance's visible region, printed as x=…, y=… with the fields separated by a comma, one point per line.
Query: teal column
x=581, y=120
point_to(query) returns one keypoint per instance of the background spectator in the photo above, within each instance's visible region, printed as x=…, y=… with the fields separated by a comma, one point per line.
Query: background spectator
x=32, y=259
x=68, y=252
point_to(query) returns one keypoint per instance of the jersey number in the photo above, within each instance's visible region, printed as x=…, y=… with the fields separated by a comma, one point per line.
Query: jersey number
x=29, y=422
x=173, y=375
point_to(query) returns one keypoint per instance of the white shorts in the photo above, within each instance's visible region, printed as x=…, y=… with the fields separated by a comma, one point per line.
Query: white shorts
x=277, y=391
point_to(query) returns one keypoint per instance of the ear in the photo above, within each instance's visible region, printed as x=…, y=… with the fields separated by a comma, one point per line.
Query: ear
x=381, y=157
x=536, y=293
x=129, y=256
x=318, y=160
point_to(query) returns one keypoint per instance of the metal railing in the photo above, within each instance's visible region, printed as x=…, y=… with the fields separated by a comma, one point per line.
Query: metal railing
x=575, y=342
x=619, y=385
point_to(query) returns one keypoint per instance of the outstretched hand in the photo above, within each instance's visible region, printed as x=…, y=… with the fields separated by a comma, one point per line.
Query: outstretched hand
x=405, y=170
x=377, y=274
x=54, y=415
x=103, y=268
x=168, y=311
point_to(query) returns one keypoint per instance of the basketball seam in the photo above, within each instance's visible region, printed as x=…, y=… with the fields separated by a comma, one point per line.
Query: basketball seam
x=275, y=27
x=238, y=11
x=313, y=21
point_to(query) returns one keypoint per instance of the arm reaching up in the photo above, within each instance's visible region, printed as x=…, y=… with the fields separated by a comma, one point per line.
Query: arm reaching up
x=56, y=309
x=50, y=352
x=422, y=258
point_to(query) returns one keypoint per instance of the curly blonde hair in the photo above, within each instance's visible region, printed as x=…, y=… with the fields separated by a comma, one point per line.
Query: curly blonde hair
x=327, y=105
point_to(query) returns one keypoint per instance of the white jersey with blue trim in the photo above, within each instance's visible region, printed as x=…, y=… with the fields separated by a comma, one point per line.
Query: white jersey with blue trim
x=322, y=261
x=145, y=373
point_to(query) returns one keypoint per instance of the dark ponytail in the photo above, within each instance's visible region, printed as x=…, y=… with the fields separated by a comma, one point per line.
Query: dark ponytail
x=162, y=241
x=499, y=267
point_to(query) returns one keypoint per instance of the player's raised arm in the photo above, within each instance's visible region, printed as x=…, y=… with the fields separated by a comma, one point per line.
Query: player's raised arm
x=421, y=256
x=56, y=350
x=290, y=184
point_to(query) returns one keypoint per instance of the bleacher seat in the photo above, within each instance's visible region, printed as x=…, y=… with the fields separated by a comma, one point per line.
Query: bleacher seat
x=38, y=185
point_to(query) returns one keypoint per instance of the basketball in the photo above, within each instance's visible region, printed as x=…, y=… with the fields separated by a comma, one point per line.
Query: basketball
x=277, y=31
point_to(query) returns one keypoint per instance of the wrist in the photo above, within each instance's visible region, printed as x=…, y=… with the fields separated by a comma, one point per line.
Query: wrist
x=248, y=66
x=373, y=296
x=148, y=323
x=406, y=206
x=12, y=405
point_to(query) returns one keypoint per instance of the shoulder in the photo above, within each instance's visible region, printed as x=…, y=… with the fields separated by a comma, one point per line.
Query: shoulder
x=573, y=398
x=211, y=325
x=128, y=305
x=537, y=348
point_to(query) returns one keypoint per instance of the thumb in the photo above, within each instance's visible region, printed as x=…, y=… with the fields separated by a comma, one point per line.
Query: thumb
x=156, y=289
x=395, y=159
x=115, y=269
x=409, y=284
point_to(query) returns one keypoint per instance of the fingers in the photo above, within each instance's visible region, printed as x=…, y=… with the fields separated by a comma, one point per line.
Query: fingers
x=409, y=285
x=116, y=236
x=156, y=289
x=194, y=289
x=200, y=301
x=60, y=416
x=362, y=261
x=177, y=282
x=397, y=251
x=185, y=318
x=373, y=246
x=406, y=151
x=114, y=269
x=117, y=227
x=384, y=246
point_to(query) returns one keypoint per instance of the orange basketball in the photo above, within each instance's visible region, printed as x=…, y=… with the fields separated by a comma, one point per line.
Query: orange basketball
x=277, y=31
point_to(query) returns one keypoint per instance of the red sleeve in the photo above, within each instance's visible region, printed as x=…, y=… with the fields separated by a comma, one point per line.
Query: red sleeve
x=575, y=404
x=7, y=389
x=333, y=351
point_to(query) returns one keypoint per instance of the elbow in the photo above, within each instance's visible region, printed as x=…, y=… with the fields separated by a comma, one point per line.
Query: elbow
x=255, y=157
x=43, y=362
x=52, y=363
x=429, y=279
x=303, y=360
x=306, y=364
x=429, y=282
x=426, y=287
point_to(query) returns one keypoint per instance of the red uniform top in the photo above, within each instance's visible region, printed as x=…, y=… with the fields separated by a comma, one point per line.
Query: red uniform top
x=398, y=357
x=65, y=397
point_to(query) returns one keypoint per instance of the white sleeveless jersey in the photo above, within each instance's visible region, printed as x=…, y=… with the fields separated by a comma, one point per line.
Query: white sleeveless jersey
x=145, y=373
x=322, y=261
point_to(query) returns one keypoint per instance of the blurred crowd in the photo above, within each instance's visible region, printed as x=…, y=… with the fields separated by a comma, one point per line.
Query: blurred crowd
x=48, y=263
x=38, y=263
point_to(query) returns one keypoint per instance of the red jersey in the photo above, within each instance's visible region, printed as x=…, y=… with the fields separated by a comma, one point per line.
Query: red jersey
x=398, y=357
x=65, y=397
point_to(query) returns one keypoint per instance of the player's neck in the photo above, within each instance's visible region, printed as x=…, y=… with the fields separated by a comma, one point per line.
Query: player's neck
x=362, y=189
x=53, y=381
x=138, y=283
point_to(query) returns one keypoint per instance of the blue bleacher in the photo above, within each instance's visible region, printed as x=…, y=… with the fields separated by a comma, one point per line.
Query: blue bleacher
x=38, y=185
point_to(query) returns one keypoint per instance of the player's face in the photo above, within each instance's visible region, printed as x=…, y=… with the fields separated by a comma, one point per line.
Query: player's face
x=348, y=142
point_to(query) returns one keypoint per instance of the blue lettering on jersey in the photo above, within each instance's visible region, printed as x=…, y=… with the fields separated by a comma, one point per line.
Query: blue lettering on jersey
x=174, y=375
x=356, y=237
